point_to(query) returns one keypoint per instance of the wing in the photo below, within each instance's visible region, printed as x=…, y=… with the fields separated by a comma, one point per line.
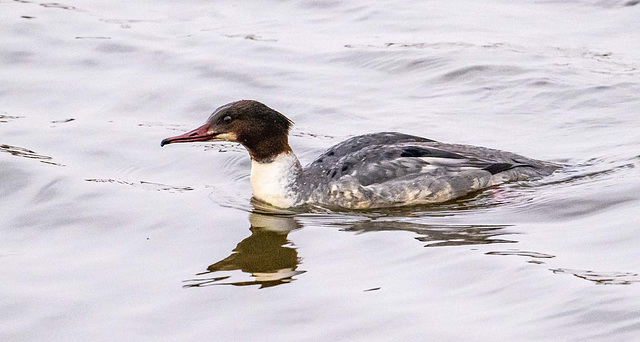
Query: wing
x=376, y=164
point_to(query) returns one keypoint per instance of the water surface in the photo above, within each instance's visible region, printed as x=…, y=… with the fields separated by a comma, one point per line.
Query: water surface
x=107, y=236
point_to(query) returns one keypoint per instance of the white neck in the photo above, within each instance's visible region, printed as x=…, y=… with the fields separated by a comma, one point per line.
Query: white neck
x=274, y=182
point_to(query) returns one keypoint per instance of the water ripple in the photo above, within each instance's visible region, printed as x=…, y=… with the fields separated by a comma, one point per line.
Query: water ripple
x=142, y=185
x=4, y=118
x=601, y=278
x=517, y=252
x=26, y=153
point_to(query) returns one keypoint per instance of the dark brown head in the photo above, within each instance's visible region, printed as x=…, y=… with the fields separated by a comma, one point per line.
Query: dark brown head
x=261, y=130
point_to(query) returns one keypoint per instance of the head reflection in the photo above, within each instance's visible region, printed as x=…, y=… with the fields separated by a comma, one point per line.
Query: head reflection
x=266, y=256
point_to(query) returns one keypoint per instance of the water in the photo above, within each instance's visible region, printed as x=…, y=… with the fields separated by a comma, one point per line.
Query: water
x=105, y=235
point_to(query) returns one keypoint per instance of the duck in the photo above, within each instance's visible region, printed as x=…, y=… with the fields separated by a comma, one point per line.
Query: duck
x=376, y=170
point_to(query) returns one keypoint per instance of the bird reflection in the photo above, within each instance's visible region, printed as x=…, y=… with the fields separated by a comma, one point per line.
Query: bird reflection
x=267, y=255
x=437, y=234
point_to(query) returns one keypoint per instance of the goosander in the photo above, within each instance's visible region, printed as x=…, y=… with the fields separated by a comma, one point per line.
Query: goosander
x=368, y=171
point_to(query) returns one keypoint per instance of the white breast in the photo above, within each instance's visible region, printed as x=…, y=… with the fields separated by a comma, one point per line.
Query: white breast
x=272, y=182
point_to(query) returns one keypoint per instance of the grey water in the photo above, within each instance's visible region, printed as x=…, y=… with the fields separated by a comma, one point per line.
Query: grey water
x=106, y=236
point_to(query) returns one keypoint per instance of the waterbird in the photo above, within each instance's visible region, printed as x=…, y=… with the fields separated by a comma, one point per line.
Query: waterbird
x=377, y=170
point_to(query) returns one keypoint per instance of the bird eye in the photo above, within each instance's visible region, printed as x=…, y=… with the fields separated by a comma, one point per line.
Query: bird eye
x=227, y=119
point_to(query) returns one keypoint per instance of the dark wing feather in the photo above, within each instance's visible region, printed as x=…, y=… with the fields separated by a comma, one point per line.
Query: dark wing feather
x=499, y=167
